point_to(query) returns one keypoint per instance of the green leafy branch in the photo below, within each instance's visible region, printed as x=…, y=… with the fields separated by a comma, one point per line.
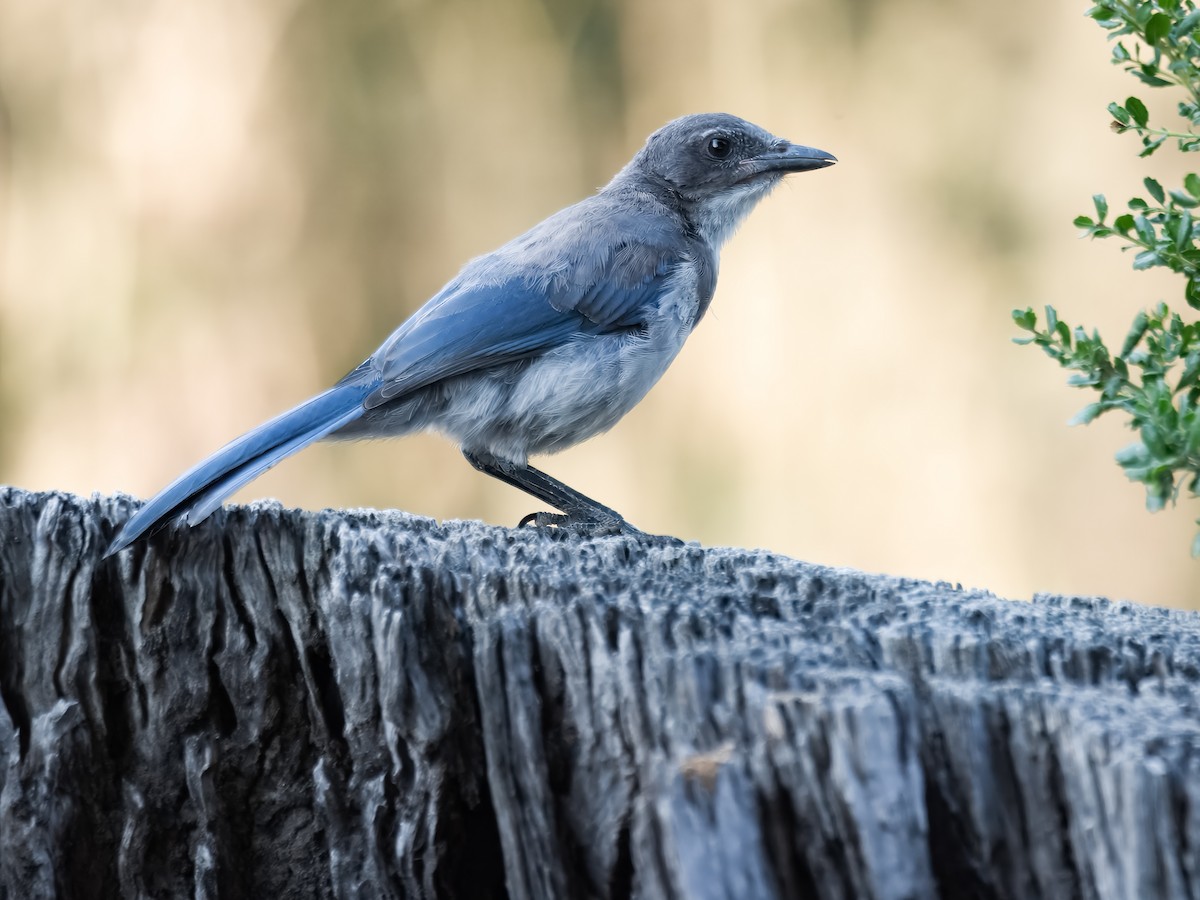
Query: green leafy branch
x=1155, y=378
x=1162, y=234
x=1165, y=56
x=1146, y=382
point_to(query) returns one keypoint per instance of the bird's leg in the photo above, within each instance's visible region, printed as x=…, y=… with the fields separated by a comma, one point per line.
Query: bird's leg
x=579, y=513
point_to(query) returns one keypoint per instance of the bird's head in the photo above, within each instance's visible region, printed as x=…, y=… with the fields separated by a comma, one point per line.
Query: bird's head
x=719, y=167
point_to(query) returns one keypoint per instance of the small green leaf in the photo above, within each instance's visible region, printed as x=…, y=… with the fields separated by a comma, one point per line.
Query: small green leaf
x=1158, y=27
x=1025, y=318
x=1083, y=222
x=1133, y=455
x=1190, y=375
x=1087, y=414
x=1155, y=189
x=1192, y=183
x=1136, y=331
x=1124, y=223
x=1153, y=439
x=1119, y=113
x=1155, y=498
x=1149, y=146
x=1191, y=293
x=1137, y=110
x=1101, y=206
x=1146, y=77
x=1051, y=317
x=1186, y=25
x=1183, y=230
x=1146, y=259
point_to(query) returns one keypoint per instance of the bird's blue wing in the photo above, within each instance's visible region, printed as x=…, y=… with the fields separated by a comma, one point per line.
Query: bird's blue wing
x=631, y=283
x=478, y=321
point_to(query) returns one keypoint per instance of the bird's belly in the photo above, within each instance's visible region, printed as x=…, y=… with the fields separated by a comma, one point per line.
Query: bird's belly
x=558, y=399
x=568, y=403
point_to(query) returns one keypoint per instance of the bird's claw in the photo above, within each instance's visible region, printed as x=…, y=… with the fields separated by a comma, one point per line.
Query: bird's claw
x=578, y=524
x=543, y=520
x=593, y=528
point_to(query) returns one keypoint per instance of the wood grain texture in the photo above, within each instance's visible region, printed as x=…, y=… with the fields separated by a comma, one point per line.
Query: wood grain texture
x=283, y=704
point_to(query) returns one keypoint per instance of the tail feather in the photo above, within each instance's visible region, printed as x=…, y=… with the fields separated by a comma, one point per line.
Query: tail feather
x=199, y=492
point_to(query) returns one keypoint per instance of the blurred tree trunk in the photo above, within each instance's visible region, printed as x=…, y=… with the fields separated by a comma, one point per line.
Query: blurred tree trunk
x=283, y=704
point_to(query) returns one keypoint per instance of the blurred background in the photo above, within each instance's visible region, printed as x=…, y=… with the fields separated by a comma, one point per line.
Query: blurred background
x=210, y=209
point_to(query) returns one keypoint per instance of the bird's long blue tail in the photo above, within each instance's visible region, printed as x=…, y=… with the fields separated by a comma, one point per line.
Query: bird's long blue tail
x=197, y=493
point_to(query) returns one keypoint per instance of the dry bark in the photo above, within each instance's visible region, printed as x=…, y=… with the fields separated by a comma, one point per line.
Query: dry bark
x=280, y=704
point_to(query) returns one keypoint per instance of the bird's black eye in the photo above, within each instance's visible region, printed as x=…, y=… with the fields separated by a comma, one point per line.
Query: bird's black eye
x=719, y=147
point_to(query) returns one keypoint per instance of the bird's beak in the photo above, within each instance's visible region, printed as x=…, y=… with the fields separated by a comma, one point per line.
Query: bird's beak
x=787, y=157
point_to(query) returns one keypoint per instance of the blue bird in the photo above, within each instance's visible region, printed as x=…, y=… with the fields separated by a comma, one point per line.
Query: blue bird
x=543, y=343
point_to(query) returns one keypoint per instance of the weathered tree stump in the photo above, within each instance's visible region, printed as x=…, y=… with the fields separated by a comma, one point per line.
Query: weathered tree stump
x=281, y=704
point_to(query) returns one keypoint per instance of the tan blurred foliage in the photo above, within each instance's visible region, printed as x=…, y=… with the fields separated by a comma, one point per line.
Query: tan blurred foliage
x=210, y=209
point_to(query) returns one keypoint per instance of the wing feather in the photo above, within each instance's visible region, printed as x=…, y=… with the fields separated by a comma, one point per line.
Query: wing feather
x=481, y=320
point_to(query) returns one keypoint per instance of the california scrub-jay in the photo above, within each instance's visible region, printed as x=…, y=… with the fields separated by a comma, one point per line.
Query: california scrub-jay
x=547, y=341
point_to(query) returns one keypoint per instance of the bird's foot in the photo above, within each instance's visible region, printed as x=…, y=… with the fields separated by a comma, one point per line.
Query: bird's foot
x=581, y=525
x=593, y=527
